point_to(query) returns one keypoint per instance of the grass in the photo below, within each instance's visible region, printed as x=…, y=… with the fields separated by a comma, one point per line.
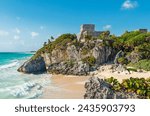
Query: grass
x=142, y=64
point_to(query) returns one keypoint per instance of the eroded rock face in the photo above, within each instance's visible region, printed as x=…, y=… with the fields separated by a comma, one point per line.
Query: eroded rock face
x=57, y=60
x=101, y=54
x=33, y=66
x=75, y=68
x=99, y=89
x=72, y=53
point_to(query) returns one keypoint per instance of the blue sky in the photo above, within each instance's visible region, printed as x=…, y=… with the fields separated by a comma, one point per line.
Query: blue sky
x=26, y=24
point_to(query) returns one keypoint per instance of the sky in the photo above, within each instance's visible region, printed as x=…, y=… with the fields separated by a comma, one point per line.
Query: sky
x=26, y=24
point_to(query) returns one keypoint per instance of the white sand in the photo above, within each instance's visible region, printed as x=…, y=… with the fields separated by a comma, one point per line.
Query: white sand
x=72, y=87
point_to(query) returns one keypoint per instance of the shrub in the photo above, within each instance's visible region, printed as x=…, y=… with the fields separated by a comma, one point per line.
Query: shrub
x=132, y=69
x=140, y=86
x=85, y=51
x=89, y=60
x=142, y=64
x=60, y=43
x=122, y=60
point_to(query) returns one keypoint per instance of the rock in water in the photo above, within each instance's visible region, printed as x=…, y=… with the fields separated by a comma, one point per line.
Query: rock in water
x=99, y=89
x=33, y=66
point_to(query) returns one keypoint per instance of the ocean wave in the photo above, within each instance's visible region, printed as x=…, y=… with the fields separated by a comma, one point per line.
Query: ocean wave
x=10, y=65
x=27, y=89
x=18, y=85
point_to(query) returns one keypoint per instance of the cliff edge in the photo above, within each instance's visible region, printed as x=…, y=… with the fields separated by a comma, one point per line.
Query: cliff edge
x=68, y=55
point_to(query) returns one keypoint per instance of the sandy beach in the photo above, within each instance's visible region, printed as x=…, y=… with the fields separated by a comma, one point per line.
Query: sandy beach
x=107, y=73
x=65, y=87
x=72, y=87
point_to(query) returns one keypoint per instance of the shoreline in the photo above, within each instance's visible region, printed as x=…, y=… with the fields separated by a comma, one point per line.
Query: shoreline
x=65, y=87
x=72, y=87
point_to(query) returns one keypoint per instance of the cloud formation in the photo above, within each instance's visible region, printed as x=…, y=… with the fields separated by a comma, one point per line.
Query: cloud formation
x=17, y=31
x=128, y=4
x=4, y=33
x=34, y=34
x=16, y=37
x=107, y=27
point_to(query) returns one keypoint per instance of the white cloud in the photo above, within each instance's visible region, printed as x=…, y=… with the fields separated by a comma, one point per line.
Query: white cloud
x=34, y=34
x=128, y=4
x=107, y=27
x=17, y=31
x=16, y=37
x=4, y=33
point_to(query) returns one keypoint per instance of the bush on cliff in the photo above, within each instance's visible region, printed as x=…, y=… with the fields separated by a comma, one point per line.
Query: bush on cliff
x=89, y=60
x=134, y=42
x=60, y=43
x=140, y=86
x=142, y=64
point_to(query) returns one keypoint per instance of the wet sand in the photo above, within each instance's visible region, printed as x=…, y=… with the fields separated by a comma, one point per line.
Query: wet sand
x=65, y=87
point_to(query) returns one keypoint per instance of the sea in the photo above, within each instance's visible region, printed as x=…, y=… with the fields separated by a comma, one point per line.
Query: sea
x=17, y=85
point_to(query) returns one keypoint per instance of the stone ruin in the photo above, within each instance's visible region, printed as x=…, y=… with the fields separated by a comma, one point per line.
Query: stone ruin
x=88, y=30
x=143, y=30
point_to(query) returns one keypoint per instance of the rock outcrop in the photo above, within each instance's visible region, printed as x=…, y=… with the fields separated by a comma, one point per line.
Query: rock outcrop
x=99, y=89
x=69, y=68
x=33, y=66
x=67, y=55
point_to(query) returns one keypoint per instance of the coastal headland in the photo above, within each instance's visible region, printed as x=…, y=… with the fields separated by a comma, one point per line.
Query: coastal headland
x=119, y=65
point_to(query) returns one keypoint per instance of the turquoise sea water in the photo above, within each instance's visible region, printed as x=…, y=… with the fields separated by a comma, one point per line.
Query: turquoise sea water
x=13, y=84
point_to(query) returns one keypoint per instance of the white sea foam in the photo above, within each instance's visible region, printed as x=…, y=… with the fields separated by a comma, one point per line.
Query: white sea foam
x=10, y=65
x=19, y=85
x=25, y=89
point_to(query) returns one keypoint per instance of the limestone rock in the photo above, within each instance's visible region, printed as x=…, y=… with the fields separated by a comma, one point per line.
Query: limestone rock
x=72, y=53
x=33, y=66
x=58, y=59
x=67, y=68
x=99, y=89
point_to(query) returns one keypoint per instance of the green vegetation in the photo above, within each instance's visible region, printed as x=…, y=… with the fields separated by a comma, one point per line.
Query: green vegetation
x=85, y=51
x=122, y=60
x=114, y=82
x=142, y=64
x=134, y=42
x=132, y=69
x=89, y=60
x=140, y=86
x=70, y=63
x=60, y=43
x=135, y=46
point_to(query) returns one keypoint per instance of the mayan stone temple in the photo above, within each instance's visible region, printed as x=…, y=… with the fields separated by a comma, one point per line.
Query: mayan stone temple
x=88, y=29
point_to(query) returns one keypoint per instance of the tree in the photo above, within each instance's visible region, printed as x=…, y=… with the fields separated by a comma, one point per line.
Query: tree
x=52, y=38
x=49, y=41
x=45, y=44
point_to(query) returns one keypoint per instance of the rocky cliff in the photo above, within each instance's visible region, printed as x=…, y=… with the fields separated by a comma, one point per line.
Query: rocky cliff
x=33, y=66
x=66, y=55
x=97, y=88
